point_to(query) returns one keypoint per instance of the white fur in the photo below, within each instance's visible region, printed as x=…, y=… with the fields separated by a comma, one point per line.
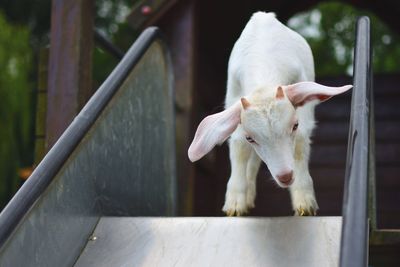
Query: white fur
x=267, y=55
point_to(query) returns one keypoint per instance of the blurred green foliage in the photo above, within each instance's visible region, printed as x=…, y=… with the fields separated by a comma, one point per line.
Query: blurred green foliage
x=110, y=20
x=330, y=30
x=19, y=49
x=33, y=14
x=15, y=109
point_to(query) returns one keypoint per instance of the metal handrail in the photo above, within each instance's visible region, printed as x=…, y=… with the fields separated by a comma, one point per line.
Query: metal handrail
x=107, y=45
x=354, y=239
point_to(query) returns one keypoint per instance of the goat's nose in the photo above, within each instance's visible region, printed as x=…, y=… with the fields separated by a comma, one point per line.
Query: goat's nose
x=286, y=178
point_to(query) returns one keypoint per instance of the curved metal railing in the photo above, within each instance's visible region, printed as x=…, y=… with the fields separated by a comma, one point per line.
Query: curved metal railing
x=354, y=240
x=45, y=173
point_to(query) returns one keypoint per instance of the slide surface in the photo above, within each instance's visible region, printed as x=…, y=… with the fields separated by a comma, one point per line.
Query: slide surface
x=223, y=241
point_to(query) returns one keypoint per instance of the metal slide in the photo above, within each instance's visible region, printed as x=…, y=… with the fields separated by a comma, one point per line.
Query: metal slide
x=105, y=194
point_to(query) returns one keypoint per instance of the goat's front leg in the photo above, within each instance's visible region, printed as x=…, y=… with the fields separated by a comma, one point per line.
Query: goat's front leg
x=236, y=192
x=253, y=164
x=302, y=189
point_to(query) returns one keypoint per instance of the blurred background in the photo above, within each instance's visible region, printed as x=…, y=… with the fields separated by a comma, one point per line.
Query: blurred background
x=200, y=35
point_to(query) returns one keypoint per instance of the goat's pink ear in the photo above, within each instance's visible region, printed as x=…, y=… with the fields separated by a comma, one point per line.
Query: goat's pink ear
x=213, y=130
x=303, y=92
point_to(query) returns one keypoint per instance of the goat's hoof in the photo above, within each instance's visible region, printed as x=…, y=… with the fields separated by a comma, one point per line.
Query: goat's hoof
x=304, y=203
x=237, y=213
x=234, y=212
x=235, y=203
x=230, y=213
x=305, y=212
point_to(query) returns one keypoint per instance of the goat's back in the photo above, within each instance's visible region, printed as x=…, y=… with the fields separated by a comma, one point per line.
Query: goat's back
x=268, y=54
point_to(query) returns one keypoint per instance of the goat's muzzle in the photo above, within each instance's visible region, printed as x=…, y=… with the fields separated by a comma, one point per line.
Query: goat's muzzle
x=285, y=179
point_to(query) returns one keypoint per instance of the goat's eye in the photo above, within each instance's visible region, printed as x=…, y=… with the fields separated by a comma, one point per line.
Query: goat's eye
x=249, y=139
x=295, y=126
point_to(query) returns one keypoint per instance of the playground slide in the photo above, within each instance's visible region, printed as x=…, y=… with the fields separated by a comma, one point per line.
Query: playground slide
x=115, y=159
x=105, y=194
x=223, y=241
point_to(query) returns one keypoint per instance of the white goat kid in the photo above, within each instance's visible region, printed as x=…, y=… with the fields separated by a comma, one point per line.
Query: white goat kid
x=267, y=116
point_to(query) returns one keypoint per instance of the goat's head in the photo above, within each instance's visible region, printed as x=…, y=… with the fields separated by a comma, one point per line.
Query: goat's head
x=268, y=122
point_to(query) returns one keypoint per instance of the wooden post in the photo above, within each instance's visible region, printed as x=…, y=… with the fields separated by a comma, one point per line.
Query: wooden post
x=41, y=106
x=179, y=28
x=70, y=64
